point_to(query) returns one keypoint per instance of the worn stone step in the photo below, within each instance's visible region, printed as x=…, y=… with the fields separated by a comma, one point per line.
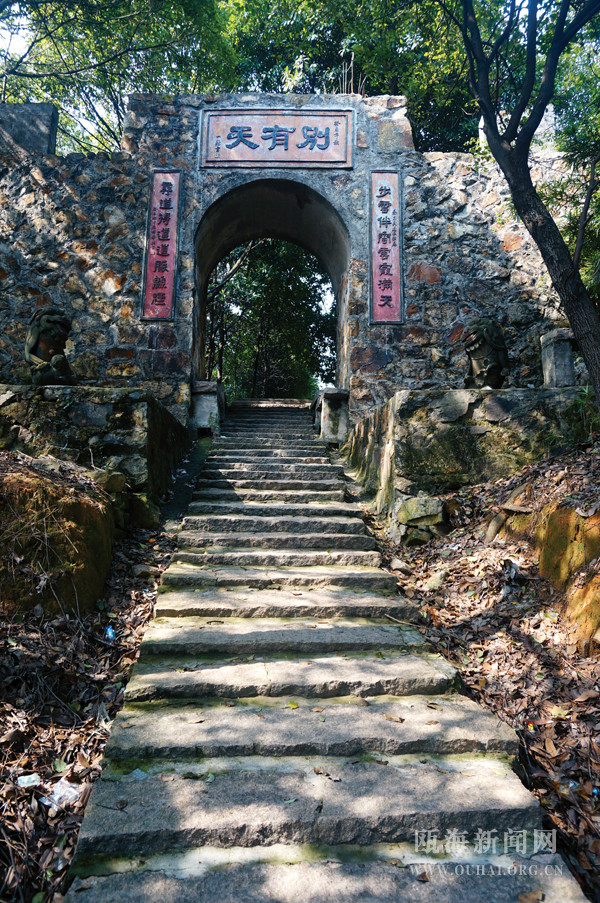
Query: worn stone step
x=287, y=434
x=273, y=478
x=293, y=875
x=268, y=455
x=279, y=558
x=302, y=422
x=311, y=800
x=195, y=636
x=206, y=481
x=318, y=508
x=216, y=467
x=282, y=603
x=438, y=725
x=271, y=455
x=273, y=526
x=265, y=495
x=295, y=404
x=370, y=674
x=368, y=578
x=268, y=442
x=197, y=540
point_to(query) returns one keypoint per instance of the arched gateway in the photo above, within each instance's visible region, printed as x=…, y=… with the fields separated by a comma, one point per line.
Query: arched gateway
x=415, y=244
x=320, y=171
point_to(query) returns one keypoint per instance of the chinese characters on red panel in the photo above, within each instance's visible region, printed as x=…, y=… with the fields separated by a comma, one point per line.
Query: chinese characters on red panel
x=386, y=297
x=161, y=258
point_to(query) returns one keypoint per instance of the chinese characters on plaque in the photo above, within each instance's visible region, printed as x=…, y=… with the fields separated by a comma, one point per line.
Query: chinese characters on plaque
x=161, y=253
x=386, y=303
x=277, y=138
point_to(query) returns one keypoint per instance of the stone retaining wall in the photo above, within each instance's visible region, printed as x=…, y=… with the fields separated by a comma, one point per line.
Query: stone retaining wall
x=72, y=233
x=123, y=430
x=427, y=442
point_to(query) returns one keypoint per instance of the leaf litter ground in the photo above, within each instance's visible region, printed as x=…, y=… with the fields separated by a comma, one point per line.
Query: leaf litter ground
x=485, y=607
x=61, y=685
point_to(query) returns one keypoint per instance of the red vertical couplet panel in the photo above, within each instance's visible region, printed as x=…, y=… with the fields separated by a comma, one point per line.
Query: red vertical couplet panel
x=161, y=247
x=386, y=293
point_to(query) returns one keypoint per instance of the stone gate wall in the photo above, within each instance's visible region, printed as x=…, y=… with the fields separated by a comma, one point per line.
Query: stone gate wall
x=72, y=233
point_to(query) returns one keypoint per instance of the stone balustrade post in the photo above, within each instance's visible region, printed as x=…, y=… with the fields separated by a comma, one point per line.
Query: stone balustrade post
x=208, y=405
x=334, y=420
x=557, y=358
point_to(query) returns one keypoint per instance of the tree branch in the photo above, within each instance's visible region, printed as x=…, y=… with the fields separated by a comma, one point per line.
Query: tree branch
x=592, y=184
x=234, y=269
x=529, y=80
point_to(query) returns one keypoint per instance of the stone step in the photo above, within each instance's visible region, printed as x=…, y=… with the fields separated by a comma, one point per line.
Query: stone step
x=279, y=558
x=195, y=539
x=274, y=526
x=323, y=508
x=218, y=466
x=208, y=481
x=312, y=801
x=182, y=574
x=268, y=455
x=265, y=495
x=302, y=421
x=291, y=874
x=324, y=676
x=258, y=435
x=281, y=603
x=438, y=725
x=194, y=636
x=268, y=442
x=294, y=404
x=219, y=460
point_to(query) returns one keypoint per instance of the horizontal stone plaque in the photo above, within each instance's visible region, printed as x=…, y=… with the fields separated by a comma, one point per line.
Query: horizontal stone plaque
x=161, y=247
x=277, y=138
x=386, y=284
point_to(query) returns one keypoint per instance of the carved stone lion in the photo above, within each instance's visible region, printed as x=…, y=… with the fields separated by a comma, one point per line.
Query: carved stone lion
x=45, y=342
x=488, y=356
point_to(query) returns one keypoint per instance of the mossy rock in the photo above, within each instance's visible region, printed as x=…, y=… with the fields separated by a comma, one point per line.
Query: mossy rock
x=143, y=512
x=567, y=542
x=57, y=541
x=582, y=607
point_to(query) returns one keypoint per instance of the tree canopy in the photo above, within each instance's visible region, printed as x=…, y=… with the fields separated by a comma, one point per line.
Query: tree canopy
x=271, y=327
x=87, y=57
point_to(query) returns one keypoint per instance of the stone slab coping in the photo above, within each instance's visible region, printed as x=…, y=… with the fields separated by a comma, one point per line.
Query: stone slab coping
x=557, y=335
x=92, y=393
x=332, y=394
x=204, y=387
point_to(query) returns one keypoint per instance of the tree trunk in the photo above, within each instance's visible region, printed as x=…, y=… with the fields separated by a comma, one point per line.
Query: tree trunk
x=221, y=345
x=578, y=306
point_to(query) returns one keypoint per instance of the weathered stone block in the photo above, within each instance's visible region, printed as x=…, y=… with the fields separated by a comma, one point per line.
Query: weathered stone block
x=421, y=510
x=208, y=405
x=29, y=127
x=557, y=358
x=123, y=429
x=332, y=409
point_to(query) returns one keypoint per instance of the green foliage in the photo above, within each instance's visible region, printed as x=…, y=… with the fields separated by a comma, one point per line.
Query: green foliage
x=269, y=330
x=577, y=107
x=371, y=46
x=582, y=415
x=87, y=57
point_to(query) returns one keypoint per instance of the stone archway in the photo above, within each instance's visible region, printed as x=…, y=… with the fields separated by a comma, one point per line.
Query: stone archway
x=281, y=208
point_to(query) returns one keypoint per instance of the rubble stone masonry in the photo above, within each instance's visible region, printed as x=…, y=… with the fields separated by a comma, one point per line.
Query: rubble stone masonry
x=73, y=232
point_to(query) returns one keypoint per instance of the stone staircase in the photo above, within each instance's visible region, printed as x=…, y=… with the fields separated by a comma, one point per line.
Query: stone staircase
x=287, y=730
